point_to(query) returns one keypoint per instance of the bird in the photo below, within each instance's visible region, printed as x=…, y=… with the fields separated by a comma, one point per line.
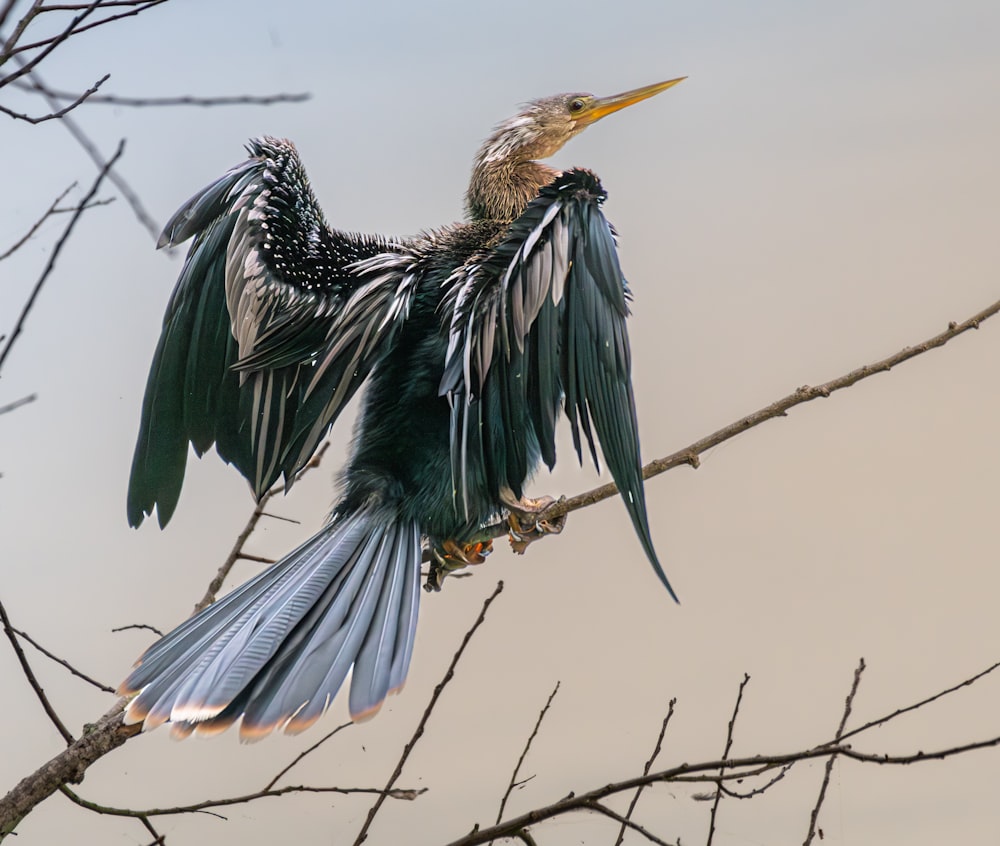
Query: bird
x=471, y=340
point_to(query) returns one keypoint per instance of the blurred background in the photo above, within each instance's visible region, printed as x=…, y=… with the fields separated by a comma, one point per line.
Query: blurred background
x=821, y=192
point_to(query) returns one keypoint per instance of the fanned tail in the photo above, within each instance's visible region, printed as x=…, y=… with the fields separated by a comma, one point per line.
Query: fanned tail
x=276, y=650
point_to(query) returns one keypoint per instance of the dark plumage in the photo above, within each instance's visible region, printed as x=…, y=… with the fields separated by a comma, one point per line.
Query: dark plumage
x=472, y=338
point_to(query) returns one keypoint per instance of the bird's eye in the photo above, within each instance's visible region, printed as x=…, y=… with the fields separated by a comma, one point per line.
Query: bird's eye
x=576, y=105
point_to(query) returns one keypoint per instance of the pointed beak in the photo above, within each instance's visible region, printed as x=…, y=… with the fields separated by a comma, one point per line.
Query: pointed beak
x=603, y=106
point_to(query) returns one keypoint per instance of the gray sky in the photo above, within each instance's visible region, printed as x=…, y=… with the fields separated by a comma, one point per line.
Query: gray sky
x=821, y=192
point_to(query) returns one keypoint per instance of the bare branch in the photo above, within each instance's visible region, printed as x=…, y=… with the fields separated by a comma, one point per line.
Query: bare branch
x=524, y=752
x=62, y=661
x=645, y=770
x=13, y=406
x=138, y=626
x=45, y=47
x=441, y=685
x=308, y=751
x=829, y=761
x=408, y=794
x=19, y=326
x=881, y=721
x=725, y=754
x=61, y=112
x=236, y=553
x=626, y=822
x=183, y=100
x=22, y=659
x=37, y=224
x=75, y=27
x=779, y=408
x=707, y=771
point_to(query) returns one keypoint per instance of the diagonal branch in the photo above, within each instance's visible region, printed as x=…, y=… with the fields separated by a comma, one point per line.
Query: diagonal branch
x=725, y=755
x=237, y=553
x=418, y=733
x=814, y=817
x=37, y=224
x=60, y=113
x=50, y=266
x=645, y=771
x=779, y=408
x=29, y=674
x=108, y=733
x=63, y=661
x=524, y=752
x=16, y=404
x=301, y=755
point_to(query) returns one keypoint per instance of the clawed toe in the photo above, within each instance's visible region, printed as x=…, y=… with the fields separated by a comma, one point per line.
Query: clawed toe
x=449, y=556
x=526, y=523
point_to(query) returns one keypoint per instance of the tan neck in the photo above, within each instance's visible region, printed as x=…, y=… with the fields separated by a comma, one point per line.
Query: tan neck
x=500, y=190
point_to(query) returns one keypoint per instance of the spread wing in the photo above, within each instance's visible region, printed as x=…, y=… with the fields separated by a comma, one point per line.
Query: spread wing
x=539, y=323
x=270, y=330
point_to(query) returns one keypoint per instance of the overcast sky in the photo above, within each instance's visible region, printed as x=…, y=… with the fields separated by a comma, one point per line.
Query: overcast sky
x=822, y=191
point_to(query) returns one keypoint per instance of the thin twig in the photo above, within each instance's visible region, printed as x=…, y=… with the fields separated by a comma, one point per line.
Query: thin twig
x=707, y=771
x=725, y=755
x=76, y=27
x=524, y=752
x=37, y=224
x=601, y=808
x=645, y=770
x=829, y=761
x=13, y=406
x=146, y=626
x=157, y=837
x=29, y=674
x=185, y=100
x=19, y=326
x=61, y=113
x=885, y=719
x=90, y=148
x=407, y=794
x=45, y=47
x=757, y=791
x=63, y=661
x=308, y=751
x=418, y=733
x=236, y=553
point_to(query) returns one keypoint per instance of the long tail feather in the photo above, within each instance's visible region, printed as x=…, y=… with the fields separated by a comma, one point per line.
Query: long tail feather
x=276, y=650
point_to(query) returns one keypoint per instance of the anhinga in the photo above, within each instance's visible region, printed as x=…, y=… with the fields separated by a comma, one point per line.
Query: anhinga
x=471, y=337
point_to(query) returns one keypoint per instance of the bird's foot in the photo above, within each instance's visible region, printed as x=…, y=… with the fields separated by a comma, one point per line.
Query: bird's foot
x=449, y=556
x=526, y=521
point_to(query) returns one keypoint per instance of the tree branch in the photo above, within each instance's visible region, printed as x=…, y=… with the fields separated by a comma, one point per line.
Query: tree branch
x=236, y=553
x=814, y=817
x=408, y=794
x=725, y=754
x=29, y=674
x=645, y=770
x=524, y=752
x=19, y=326
x=441, y=685
x=183, y=100
x=689, y=455
x=62, y=661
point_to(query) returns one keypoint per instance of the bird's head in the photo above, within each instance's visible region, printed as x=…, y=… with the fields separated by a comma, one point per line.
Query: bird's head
x=507, y=174
x=543, y=126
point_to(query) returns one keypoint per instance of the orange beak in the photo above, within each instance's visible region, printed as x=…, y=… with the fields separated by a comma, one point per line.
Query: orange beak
x=602, y=106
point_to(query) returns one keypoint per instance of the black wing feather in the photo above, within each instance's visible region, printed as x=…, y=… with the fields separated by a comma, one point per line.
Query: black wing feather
x=539, y=322
x=253, y=334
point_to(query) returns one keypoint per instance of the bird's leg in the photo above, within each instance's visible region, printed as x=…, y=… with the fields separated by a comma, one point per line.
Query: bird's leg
x=449, y=555
x=524, y=522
